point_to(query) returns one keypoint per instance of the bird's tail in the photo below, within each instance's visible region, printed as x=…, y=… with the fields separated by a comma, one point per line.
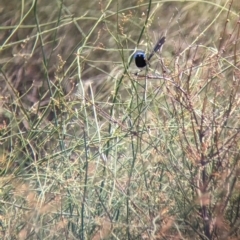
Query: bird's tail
x=159, y=44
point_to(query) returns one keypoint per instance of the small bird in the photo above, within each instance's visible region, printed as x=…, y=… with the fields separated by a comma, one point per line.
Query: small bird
x=140, y=56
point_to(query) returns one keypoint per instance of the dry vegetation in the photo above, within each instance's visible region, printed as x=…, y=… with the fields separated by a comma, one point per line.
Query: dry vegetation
x=90, y=150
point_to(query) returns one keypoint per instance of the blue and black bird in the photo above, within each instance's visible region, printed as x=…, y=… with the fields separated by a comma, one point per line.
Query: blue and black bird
x=140, y=57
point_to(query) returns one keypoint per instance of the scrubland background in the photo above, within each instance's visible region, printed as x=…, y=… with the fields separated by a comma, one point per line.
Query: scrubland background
x=91, y=150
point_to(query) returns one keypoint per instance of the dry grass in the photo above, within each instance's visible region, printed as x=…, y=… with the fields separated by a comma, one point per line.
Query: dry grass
x=90, y=150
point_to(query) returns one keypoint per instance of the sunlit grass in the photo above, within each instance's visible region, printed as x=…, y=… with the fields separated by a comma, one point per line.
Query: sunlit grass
x=92, y=150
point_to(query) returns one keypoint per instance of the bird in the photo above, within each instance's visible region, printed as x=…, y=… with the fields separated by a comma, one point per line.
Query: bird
x=141, y=60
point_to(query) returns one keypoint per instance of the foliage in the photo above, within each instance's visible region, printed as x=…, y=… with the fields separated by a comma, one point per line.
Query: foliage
x=93, y=148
